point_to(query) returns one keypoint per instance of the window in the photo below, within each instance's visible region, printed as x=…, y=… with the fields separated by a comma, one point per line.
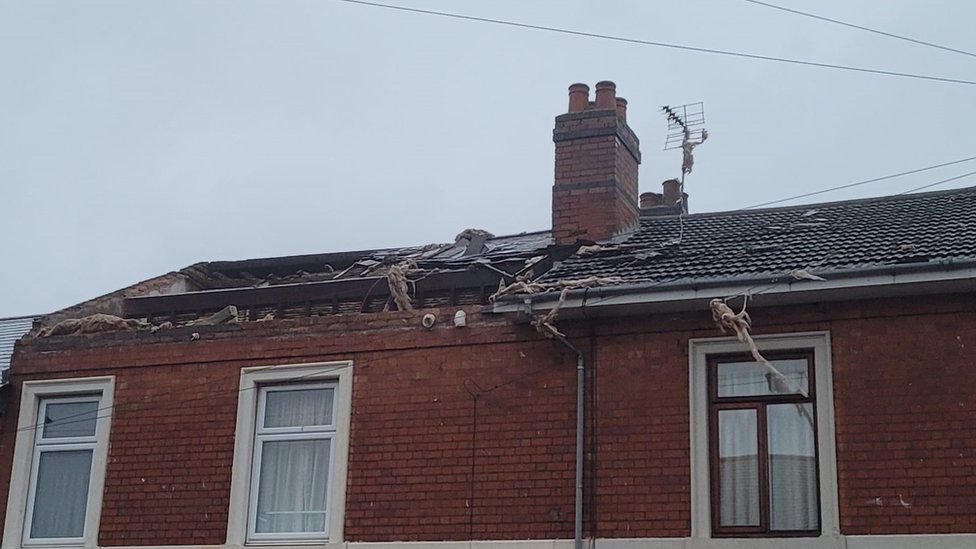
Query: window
x=762, y=424
x=59, y=463
x=290, y=454
x=292, y=450
x=763, y=450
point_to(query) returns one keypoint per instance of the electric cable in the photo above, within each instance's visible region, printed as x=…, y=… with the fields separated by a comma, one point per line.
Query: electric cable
x=660, y=44
x=858, y=183
x=859, y=27
x=938, y=183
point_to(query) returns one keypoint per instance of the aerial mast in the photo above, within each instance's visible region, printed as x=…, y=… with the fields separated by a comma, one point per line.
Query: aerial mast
x=686, y=130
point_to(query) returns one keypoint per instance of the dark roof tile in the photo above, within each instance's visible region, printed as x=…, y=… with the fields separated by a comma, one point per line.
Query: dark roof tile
x=934, y=227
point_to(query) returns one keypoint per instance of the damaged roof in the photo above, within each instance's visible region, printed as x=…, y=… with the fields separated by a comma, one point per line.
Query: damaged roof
x=471, y=248
x=464, y=272
x=922, y=231
x=935, y=228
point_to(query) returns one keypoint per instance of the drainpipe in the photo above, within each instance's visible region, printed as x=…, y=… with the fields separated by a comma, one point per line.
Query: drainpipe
x=580, y=386
x=580, y=389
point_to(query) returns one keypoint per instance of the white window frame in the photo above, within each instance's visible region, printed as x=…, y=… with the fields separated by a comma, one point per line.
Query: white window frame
x=698, y=352
x=250, y=408
x=35, y=395
x=263, y=434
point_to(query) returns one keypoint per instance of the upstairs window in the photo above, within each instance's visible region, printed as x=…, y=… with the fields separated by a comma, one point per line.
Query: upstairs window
x=763, y=445
x=64, y=448
x=291, y=454
x=293, y=449
x=60, y=455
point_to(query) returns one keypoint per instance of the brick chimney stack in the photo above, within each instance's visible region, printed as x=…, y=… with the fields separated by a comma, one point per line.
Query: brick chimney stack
x=669, y=202
x=594, y=196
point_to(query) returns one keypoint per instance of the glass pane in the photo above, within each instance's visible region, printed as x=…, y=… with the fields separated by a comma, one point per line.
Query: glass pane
x=70, y=419
x=738, y=468
x=61, y=494
x=299, y=408
x=293, y=488
x=755, y=379
x=793, y=497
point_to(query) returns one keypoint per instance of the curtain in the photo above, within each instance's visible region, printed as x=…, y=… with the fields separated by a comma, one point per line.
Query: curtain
x=293, y=487
x=297, y=408
x=738, y=453
x=61, y=494
x=793, y=497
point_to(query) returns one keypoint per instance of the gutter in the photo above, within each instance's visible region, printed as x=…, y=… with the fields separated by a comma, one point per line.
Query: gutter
x=684, y=294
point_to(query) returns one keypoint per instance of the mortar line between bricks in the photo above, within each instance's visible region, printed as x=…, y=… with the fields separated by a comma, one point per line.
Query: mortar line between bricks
x=340, y=353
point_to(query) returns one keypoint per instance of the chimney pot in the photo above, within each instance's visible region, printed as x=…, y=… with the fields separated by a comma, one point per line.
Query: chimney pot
x=672, y=190
x=673, y=195
x=579, y=97
x=622, y=108
x=606, y=92
x=649, y=200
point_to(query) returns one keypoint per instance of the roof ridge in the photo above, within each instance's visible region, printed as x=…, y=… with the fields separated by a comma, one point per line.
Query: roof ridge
x=867, y=200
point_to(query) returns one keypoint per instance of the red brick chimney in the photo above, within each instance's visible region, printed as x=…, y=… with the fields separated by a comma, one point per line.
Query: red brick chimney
x=669, y=202
x=595, y=192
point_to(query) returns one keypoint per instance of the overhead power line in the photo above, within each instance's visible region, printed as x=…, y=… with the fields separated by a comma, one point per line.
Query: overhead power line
x=938, y=183
x=661, y=44
x=859, y=27
x=865, y=182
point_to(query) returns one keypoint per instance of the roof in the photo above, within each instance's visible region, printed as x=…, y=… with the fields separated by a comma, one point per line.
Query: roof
x=464, y=272
x=935, y=228
x=10, y=331
x=925, y=231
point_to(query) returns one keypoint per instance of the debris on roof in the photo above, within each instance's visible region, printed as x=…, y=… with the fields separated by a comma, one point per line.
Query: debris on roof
x=227, y=314
x=465, y=272
x=798, y=243
x=544, y=323
x=804, y=274
x=93, y=324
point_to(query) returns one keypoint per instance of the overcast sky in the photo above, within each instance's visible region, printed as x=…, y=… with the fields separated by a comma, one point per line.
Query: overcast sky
x=140, y=137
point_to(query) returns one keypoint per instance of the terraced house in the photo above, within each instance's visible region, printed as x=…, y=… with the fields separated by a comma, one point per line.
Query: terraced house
x=572, y=386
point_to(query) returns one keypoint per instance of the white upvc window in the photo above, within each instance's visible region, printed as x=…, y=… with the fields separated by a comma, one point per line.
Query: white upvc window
x=59, y=463
x=290, y=454
x=292, y=450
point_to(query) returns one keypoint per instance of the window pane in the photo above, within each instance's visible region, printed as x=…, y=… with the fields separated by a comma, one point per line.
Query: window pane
x=304, y=407
x=738, y=468
x=752, y=378
x=61, y=494
x=793, y=496
x=293, y=488
x=70, y=419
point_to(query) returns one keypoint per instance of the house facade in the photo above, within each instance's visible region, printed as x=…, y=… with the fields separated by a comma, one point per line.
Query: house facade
x=551, y=389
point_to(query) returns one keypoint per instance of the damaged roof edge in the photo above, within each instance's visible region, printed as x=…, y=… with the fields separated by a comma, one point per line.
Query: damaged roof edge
x=948, y=271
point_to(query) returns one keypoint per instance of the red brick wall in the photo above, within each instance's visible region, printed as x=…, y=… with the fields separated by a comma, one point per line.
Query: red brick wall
x=906, y=421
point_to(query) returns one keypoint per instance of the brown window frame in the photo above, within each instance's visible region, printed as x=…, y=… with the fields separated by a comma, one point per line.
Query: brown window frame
x=758, y=403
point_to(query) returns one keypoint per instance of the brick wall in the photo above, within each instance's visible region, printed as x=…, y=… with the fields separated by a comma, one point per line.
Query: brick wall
x=594, y=195
x=430, y=407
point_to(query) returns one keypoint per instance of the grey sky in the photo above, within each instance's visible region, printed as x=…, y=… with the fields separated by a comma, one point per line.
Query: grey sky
x=140, y=137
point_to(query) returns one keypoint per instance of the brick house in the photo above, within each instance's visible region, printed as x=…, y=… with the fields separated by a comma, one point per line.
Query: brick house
x=366, y=399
